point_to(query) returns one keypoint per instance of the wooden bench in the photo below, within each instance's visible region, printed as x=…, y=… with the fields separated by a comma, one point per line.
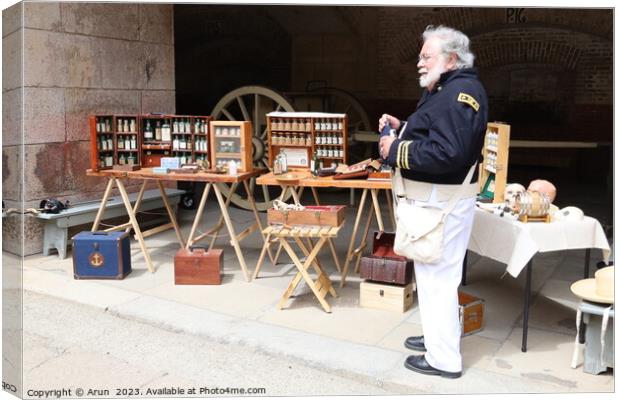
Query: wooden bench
x=55, y=233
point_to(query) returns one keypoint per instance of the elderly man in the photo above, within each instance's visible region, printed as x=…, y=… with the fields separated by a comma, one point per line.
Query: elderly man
x=435, y=150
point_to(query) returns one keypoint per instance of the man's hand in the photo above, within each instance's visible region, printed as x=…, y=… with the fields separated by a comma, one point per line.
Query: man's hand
x=384, y=146
x=387, y=118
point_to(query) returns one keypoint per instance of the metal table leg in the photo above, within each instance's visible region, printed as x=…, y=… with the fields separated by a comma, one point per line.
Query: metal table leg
x=586, y=274
x=526, y=305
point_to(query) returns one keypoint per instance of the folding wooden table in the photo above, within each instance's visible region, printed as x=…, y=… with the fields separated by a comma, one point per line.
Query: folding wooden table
x=306, y=179
x=115, y=177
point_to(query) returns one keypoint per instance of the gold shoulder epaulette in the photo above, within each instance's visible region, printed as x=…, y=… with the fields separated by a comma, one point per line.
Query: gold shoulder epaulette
x=467, y=99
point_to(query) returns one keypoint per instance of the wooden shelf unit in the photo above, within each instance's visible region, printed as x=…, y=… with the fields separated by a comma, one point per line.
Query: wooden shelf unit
x=147, y=139
x=231, y=141
x=324, y=133
x=493, y=170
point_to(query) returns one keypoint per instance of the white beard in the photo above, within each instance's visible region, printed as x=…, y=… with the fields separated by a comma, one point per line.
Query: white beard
x=431, y=77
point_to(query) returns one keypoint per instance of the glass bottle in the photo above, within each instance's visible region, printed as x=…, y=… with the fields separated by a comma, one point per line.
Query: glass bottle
x=314, y=164
x=132, y=125
x=158, y=131
x=121, y=143
x=134, y=146
x=148, y=131
x=165, y=131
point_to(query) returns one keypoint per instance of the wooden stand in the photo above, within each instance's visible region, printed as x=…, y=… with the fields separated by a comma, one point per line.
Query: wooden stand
x=525, y=218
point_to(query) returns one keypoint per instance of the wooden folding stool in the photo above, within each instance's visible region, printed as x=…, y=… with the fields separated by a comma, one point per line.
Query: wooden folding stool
x=322, y=285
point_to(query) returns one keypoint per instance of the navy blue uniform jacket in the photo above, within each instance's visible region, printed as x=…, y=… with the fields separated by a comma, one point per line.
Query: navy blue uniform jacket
x=444, y=136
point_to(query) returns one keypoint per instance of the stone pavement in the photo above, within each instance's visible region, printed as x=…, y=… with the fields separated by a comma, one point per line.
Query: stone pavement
x=351, y=342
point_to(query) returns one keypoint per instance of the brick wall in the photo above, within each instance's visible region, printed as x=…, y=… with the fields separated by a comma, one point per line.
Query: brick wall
x=78, y=59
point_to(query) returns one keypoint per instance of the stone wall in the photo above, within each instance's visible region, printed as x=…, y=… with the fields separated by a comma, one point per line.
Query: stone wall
x=78, y=59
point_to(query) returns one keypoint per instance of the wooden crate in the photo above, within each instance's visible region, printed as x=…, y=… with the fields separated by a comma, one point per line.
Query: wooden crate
x=312, y=215
x=386, y=297
x=471, y=312
x=493, y=170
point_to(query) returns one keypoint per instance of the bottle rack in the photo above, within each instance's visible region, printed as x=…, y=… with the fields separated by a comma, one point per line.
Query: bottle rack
x=231, y=141
x=200, y=138
x=493, y=171
x=323, y=133
x=142, y=140
x=127, y=139
x=102, y=141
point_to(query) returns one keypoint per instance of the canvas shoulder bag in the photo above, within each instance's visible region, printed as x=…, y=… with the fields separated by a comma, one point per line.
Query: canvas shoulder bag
x=419, y=228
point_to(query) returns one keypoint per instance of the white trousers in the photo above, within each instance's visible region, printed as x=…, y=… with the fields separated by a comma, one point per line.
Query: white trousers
x=437, y=288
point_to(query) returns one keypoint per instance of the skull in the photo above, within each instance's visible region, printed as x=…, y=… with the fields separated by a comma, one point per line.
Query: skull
x=510, y=193
x=543, y=186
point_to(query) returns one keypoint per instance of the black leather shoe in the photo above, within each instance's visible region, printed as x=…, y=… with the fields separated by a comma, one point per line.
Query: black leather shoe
x=419, y=364
x=415, y=343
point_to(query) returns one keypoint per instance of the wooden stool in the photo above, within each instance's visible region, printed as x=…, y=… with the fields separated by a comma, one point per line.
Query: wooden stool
x=322, y=285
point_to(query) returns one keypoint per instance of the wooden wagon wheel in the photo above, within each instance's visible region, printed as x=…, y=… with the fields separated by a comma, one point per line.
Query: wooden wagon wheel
x=252, y=103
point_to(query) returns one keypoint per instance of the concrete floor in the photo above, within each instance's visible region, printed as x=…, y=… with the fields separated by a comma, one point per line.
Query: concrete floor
x=351, y=341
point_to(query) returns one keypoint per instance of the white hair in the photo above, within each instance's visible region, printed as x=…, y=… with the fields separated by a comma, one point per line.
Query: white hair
x=452, y=41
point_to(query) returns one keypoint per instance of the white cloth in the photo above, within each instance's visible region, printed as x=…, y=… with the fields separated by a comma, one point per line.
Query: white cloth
x=514, y=243
x=437, y=288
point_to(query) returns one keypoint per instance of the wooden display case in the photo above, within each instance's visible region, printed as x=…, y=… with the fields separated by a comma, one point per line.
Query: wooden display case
x=231, y=141
x=142, y=140
x=493, y=171
x=300, y=134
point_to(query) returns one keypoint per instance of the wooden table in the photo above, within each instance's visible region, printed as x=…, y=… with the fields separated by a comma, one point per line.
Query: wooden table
x=214, y=180
x=306, y=179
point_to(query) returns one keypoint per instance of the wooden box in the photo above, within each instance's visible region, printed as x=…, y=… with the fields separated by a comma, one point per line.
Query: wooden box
x=231, y=141
x=198, y=267
x=101, y=255
x=383, y=265
x=493, y=171
x=471, y=312
x=384, y=296
x=312, y=215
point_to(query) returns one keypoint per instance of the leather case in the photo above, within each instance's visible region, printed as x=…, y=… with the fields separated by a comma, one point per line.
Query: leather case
x=384, y=265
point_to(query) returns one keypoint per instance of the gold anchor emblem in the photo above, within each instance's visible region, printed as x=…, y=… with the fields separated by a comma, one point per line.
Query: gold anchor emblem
x=96, y=259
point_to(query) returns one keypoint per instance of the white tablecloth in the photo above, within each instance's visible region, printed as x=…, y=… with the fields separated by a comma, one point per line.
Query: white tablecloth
x=514, y=243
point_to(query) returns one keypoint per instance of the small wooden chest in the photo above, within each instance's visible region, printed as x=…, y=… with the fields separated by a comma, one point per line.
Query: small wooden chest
x=198, y=267
x=471, y=312
x=101, y=255
x=312, y=215
x=386, y=297
x=384, y=265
